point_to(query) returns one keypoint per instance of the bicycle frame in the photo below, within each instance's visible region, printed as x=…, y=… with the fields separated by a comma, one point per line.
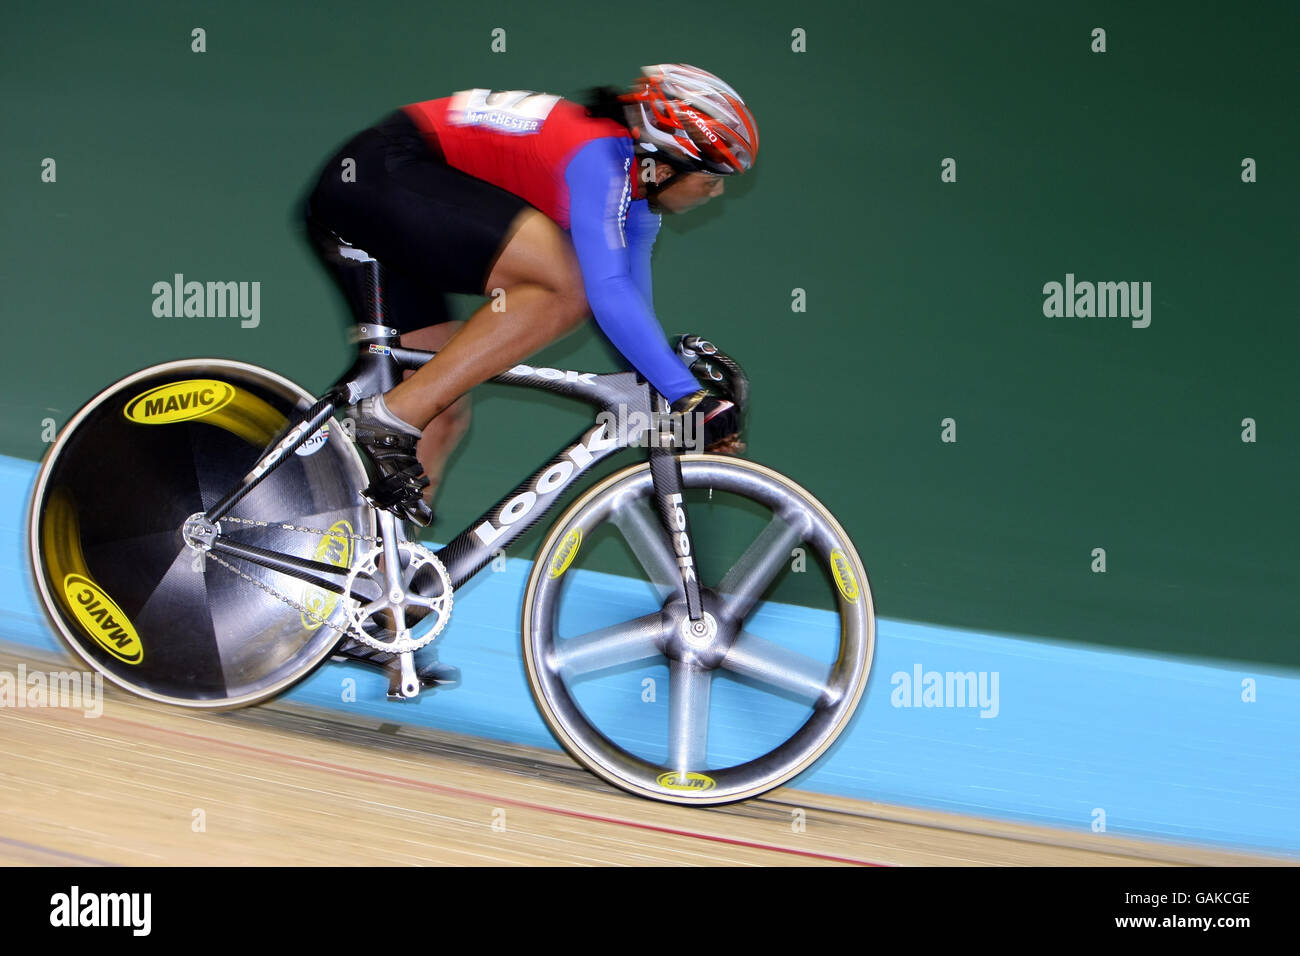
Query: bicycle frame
x=378, y=368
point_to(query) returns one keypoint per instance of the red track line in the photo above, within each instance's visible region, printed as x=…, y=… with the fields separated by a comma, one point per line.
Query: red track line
x=484, y=797
x=36, y=847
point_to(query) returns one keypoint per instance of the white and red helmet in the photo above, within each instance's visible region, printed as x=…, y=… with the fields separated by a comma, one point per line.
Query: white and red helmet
x=692, y=118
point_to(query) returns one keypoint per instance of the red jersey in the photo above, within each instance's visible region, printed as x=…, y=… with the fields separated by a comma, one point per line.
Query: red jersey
x=518, y=140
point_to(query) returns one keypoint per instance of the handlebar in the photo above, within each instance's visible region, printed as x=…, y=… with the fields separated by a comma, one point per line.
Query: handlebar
x=716, y=370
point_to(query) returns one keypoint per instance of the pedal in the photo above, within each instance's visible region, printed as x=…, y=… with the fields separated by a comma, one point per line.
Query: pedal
x=436, y=674
x=401, y=497
x=393, y=490
x=432, y=675
x=350, y=649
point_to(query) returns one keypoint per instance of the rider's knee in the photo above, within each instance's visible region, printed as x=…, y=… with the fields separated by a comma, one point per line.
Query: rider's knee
x=570, y=309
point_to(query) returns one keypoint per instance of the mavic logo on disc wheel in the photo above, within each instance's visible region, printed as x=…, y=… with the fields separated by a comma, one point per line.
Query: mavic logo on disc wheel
x=694, y=782
x=844, y=578
x=334, y=548
x=179, y=402
x=102, y=619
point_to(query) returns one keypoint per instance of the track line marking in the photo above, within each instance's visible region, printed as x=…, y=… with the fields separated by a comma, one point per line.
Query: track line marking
x=313, y=763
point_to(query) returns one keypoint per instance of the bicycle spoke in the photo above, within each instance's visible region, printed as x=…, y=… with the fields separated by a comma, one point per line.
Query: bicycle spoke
x=688, y=716
x=779, y=667
x=745, y=583
x=624, y=643
x=645, y=536
x=796, y=692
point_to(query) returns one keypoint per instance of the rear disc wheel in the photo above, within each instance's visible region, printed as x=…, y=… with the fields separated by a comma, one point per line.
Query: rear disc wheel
x=114, y=572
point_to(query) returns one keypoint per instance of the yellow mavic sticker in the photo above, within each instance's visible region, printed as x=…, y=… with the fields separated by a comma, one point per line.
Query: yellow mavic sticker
x=844, y=578
x=565, y=553
x=691, y=781
x=73, y=587
x=217, y=403
x=179, y=401
x=334, y=548
x=102, y=619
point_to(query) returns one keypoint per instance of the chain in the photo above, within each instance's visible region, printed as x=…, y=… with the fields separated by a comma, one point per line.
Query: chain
x=301, y=609
x=300, y=528
x=347, y=632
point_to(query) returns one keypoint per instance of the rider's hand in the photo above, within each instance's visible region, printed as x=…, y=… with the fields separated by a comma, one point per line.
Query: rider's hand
x=721, y=422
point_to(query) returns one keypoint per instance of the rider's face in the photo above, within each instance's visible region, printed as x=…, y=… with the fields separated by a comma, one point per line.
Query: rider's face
x=684, y=191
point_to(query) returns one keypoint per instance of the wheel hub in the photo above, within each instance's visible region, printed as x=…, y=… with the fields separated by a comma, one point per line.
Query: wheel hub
x=699, y=634
x=199, y=533
x=704, y=642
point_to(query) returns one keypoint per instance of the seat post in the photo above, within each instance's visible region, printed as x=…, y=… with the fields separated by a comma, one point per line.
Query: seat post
x=372, y=290
x=362, y=277
x=360, y=272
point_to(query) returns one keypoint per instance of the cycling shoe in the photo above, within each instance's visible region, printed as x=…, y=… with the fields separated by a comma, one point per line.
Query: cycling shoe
x=390, y=444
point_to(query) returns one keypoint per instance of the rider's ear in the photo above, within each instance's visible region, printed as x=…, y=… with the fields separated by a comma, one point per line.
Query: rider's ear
x=659, y=171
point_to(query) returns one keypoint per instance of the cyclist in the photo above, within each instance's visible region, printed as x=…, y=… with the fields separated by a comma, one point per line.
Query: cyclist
x=537, y=202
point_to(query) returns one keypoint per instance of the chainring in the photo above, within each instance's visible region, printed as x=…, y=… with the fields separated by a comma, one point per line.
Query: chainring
x=386, y=625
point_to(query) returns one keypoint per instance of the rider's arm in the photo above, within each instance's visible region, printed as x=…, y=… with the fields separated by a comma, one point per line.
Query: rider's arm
x=642, y=229
x=598, y=195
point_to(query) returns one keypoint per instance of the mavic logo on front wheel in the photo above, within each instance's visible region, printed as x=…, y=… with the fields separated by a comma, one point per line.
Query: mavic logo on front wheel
x=844, y=577
x=691, y=781
x=566, y=552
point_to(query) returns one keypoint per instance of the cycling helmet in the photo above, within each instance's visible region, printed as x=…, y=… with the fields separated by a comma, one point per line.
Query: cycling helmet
x=692, y=119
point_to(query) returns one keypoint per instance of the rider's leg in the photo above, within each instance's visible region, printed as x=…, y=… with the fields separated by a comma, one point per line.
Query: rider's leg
x=446, y=430
x=543, y=300
x=454, y=233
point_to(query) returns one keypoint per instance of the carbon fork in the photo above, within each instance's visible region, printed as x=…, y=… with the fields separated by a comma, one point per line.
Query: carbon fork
x=666, y=475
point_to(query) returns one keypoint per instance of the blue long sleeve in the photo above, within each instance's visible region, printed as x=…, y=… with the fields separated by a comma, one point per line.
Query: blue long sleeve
x=642, y=229
x=616, y=266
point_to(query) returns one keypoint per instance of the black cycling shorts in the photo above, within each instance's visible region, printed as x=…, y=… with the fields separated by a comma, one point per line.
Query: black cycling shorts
x=433, y=228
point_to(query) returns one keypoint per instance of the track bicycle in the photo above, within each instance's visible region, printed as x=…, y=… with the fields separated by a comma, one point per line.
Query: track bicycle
x=199, y=534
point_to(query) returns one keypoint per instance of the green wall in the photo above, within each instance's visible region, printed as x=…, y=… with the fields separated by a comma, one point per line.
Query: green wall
x=924, y=298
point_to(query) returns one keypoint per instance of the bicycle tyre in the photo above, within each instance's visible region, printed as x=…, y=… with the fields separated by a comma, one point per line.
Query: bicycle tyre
x=548, y=658
x=109, y=561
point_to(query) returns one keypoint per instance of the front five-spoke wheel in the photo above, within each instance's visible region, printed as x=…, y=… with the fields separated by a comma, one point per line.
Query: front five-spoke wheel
x=724, y=707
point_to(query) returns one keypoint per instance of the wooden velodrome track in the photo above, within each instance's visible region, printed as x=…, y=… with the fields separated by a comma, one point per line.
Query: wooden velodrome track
x=279, y=784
